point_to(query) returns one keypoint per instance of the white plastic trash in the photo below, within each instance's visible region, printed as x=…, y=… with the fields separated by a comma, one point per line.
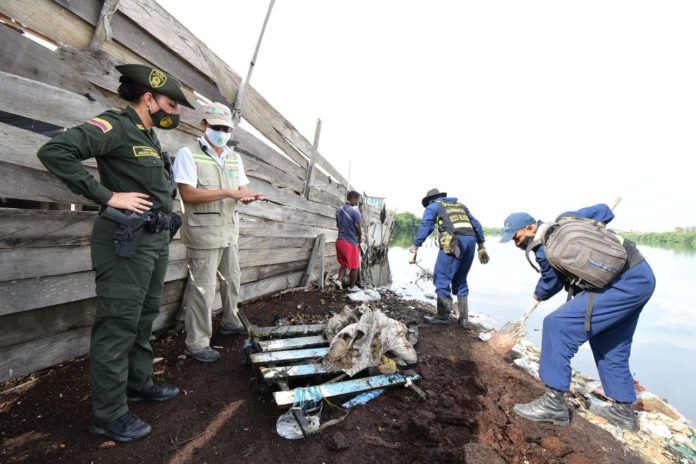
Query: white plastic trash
x=287, y=426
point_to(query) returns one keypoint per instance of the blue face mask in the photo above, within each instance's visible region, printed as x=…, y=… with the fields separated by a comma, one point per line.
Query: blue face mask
x=217, y=138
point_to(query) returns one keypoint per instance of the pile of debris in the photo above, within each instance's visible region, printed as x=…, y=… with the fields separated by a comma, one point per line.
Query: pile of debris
x=354, y=341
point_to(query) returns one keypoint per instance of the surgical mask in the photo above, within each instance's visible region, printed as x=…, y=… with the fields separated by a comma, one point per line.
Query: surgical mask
x=525, y=243
x=164, y=120
x=217, y=138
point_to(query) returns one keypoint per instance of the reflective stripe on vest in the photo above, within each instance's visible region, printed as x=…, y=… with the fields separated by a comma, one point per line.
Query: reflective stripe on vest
x=452, y=217
x=212, y=224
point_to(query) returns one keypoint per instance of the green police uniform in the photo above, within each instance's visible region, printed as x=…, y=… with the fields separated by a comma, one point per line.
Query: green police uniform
x=128, y=288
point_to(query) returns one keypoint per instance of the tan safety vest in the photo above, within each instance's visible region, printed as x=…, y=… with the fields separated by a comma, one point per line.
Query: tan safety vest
x=213, y=224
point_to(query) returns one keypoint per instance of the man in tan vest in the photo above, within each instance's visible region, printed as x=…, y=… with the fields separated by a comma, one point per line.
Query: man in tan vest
x=211, y=181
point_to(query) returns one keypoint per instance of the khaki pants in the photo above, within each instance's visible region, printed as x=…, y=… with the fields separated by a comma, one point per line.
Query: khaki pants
x=204, y=268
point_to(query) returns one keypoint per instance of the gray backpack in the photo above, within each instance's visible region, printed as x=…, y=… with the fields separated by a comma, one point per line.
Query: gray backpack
x=588, y=254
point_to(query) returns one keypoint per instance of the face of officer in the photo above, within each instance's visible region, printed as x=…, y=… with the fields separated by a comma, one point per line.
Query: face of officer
x=523, y=237
x=162, y=110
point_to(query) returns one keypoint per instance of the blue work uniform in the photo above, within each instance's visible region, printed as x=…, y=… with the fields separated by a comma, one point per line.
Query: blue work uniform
x=450, y=273
x=615, y=312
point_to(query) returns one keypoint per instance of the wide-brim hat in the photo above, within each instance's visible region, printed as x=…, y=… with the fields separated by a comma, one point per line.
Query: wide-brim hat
x=432, y=195
x=155, y=79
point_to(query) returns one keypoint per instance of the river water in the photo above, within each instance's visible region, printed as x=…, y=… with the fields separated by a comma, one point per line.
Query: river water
x=663, y=356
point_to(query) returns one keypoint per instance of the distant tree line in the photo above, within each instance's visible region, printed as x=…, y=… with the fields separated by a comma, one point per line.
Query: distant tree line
x=407, y=225
x=681, y=237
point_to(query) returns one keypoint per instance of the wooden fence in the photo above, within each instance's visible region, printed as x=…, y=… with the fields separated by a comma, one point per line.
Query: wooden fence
x=46, y=283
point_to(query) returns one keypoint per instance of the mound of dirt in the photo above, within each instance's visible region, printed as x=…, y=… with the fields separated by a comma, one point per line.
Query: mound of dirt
x=222, y=417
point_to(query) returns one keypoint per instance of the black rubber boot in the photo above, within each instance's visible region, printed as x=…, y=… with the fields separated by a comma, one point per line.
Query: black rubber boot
x=463, y=306
x=126, y=428
x=619, y=414
x=444, y=309
x=551, y=407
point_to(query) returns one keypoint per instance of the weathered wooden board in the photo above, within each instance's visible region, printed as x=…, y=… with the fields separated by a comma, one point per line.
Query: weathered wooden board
x=293, y=200
x=289, y=330
x=26, y=358
x=136, y=39
x=278, y=229
x=25, y=294
x=43, y=102
x=288, y=356
x=42, y=228
x=51, y=20
x=44, y=65
x=15, y=180
x=38, y=323
x=281, y=344
x=287, y=398
x=274, y=374
x=279, y=213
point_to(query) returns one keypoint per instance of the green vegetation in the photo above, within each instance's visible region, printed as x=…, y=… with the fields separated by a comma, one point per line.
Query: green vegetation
x=493, y=231
x=682, y=238
x=405, y=228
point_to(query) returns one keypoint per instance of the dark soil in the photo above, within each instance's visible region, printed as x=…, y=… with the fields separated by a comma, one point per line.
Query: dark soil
x=221, y=416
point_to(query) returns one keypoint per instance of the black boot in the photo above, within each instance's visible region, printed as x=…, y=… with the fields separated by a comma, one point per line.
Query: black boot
x=128, y=427
x=551, y=407
x=619, y=414
x=159, y=391
x=444, y=309
x=463, y=306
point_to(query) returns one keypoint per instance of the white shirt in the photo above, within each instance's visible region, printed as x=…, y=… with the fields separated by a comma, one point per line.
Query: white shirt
x=185, y=171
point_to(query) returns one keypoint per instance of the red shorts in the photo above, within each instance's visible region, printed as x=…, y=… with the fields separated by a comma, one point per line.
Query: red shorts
x=347, y=254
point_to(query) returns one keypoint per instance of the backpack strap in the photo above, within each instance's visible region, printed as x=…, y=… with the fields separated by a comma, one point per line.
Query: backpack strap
x=532, y=245
x=588, y=310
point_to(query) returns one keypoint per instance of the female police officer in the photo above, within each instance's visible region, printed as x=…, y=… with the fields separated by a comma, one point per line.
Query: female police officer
x=129, y=260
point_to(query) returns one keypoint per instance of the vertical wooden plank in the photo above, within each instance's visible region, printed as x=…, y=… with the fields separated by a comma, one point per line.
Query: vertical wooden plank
x=313, y=159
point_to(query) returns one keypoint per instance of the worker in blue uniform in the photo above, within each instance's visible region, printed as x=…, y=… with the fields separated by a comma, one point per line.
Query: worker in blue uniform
x=612, y=321
x=459, y=233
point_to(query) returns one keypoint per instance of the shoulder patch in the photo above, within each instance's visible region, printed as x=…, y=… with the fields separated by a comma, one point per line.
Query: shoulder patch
x=102, y=124
x=144, y=150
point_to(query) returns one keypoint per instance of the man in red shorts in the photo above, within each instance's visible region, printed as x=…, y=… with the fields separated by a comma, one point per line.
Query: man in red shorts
x=349, y=237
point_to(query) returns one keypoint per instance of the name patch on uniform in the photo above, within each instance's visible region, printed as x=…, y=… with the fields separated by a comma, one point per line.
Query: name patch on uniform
x=145, y=151
x=104, y=125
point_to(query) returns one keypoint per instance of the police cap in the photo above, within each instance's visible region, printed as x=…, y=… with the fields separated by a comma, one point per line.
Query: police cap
x=155, y=79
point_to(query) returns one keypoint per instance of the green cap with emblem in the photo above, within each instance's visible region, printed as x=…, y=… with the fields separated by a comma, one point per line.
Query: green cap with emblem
x=155, y=79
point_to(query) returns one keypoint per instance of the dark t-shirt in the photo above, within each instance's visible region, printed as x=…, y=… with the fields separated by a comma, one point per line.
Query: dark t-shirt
x=346, y=218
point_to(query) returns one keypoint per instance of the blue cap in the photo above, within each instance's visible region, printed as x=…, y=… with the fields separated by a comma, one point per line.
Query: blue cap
x=515, y=222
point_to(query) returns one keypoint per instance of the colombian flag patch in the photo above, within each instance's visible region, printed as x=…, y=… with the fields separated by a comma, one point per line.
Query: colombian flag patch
x=102, y=124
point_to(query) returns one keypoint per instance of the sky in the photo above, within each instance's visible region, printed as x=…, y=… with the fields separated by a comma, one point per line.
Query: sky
x=537, y=106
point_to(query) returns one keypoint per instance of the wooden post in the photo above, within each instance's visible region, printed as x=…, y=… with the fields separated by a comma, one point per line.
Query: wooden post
x=312, y=160
x=307, y=277
x=102, y=32
x=321, y=266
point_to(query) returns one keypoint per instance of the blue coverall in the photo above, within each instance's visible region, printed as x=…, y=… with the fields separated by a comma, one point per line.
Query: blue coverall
x=450, y=273
x=615, y=313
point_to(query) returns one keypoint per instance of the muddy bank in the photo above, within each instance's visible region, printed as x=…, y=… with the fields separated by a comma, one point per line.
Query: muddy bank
x=221, y=416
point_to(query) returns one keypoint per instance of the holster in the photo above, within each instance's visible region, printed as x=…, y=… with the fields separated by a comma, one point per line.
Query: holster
x=126, y=240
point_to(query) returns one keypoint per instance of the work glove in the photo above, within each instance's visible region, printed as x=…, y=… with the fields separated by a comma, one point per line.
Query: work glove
x=414, y=252
x=483, y=255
